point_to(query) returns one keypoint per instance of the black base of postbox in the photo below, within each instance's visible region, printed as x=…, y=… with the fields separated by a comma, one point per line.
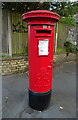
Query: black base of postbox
x=39, y=101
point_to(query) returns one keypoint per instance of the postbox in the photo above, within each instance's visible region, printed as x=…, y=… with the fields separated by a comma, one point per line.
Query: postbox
x=40, y=56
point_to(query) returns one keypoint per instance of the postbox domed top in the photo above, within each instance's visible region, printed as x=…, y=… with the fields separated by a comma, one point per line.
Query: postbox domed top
x=42, y=14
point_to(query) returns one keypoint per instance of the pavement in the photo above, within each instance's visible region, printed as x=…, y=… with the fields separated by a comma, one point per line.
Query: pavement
x=63, y=99
x=62, y=58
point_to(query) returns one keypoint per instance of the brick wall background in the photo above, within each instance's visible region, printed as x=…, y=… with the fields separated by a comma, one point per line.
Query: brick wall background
x=13, y=65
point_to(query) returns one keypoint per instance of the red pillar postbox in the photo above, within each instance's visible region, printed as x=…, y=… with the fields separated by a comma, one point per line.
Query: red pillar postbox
x=40, y=55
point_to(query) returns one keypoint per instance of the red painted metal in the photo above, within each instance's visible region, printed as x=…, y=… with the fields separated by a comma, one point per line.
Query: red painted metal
x=40, y=29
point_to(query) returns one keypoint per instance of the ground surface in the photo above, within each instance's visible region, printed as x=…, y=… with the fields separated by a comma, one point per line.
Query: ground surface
x=63, y=100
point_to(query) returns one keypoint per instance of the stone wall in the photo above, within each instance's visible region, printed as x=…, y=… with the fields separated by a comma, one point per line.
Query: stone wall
x=13, y=65
x=20, y=64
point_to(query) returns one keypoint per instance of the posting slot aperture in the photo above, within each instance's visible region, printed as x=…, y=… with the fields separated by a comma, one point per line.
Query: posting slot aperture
x=43, y=31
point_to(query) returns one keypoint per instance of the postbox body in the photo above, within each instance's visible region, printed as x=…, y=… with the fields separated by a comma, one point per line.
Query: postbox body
x=40, y=56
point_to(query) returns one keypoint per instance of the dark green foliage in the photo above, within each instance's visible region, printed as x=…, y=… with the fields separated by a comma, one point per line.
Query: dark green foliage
x=64, y=8
x=68, y=20
x=23, y=7
x=67, y=44
x=70, y=47
x=77, y=49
